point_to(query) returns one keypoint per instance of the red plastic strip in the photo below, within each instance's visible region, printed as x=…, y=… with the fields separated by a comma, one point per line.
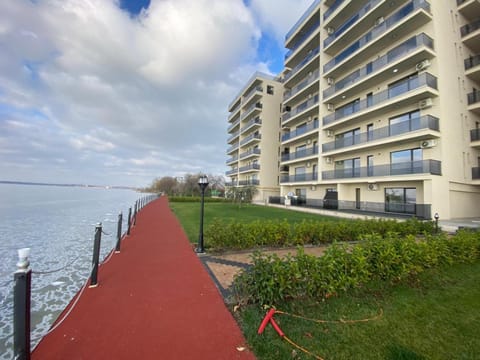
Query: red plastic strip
x=276, y=327
x=265, y=321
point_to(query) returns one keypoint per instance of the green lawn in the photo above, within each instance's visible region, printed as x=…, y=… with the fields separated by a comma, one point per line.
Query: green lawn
x=435, y=318
x=188, y=214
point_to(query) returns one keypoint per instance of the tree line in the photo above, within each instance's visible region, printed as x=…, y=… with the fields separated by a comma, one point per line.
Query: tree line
x=187, y=185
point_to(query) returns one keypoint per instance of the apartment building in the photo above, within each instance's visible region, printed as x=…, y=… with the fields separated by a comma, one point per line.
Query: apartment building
x=254, y=136
x=381, y=107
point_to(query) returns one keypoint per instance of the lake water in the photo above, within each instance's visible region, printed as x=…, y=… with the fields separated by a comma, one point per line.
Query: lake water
x=58, y=224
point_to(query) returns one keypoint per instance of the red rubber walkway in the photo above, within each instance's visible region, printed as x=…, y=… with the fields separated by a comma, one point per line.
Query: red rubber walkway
x=154, y=300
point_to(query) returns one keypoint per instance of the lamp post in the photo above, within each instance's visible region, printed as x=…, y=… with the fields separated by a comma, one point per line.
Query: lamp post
x=203, y=183
x=436, y=217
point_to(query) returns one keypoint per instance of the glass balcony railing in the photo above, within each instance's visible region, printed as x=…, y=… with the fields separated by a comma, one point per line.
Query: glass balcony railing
x=350, y=22
x=302, y=19
x=397, y=90
x=301, y=108
x=475, y=135
x=390, y=22
x=299, y=178
x=253, y=91
x=472, y=61
x=332, y=8
x=302, y=63
x=250, y=167
x=250, y=138
x=302, y=85
x=250, y=124
x=393, y=55
x=232, y=159
x=299, y=131
x=232, y=149
x=251, y=182
x=231, y=172
x=473, y=97
x=302, y=39
x=249, y=110
x=235, y=124
x=460, y=2
x=300, y=154
x=469, y=28
x=249, y=152
x=476, y=173
x=433, y=167
x=420, y=123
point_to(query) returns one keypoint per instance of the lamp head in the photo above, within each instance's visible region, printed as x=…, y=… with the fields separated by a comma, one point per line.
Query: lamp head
x=23, y=261
x=436, y=216
x=203, y=181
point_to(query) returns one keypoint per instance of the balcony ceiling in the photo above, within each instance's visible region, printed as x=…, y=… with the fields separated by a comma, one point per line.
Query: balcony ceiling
x=473, y=41
x=474, y=73
x=470, y=9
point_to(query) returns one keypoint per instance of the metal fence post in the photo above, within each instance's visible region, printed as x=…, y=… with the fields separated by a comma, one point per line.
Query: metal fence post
x=96, y=255
x=129, y=220
x=119, y=232
x=21, y=306
x=135, y=213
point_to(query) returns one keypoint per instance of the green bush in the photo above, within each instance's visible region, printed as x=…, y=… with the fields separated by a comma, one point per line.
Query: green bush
x=196, y=199
x=390, y=258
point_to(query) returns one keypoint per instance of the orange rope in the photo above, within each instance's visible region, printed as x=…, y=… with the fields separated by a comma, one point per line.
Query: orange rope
x=302, y=349
x=376, y=317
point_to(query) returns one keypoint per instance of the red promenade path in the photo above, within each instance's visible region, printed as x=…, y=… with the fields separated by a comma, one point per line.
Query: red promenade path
x=154, y=300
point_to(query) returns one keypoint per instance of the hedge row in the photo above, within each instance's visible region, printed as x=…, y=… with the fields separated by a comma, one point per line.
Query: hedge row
x=221, y=235
x=196, y=199
x=272, y=280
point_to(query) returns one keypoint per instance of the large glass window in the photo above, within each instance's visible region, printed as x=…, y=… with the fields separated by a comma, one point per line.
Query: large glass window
x=404, y=123
x=402, y=86
x=347, y=168
x=348, y=138
x=401, y=200
x=406, y=162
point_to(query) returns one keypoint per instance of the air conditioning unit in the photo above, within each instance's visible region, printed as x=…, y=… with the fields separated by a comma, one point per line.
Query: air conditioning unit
x=330, y=107
x=422, y=65
x=425, y=144
x=373, y=187
x=328, y=160
x=425, y=103
x=330, y=81
x=329, y=133
x=379, y=21
x=330, y=30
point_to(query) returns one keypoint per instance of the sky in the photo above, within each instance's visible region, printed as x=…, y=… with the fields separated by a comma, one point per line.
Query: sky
x=120, y=92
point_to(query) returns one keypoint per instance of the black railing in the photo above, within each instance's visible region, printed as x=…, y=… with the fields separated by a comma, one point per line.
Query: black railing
x=432, y=167
x=472, y=61
x=473, y=97
x=469, y=28
x=475, y=134
x=476, y=173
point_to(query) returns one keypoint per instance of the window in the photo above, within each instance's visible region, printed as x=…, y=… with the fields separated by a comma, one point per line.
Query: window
x=370, y=132
x=402, y=86
x=370, y=165
x=348, y=138
x=270, y=89
x=300, y=174
x=369, y=99
x=406, y=162
x=404, y=123
x=347, y=168
x=349, y=108
x=401, y=200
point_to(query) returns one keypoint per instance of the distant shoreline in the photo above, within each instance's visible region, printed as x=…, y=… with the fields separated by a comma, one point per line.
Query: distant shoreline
x=67, y=185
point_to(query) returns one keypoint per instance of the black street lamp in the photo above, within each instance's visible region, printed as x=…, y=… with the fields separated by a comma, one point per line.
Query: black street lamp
x=436, y=217
x=203, y=183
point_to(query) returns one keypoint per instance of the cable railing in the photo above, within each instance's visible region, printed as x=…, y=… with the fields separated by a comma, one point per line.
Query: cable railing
x=22, y=279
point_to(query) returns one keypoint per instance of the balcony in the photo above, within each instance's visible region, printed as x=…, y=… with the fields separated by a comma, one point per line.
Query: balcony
x=304, y=36
x=251, y=109
x=234, y=114
x=402, y=57
x=231, y=184
x=257, y=90
x=308, y=177
x=251, y=182
x=250, y=153
x=233, y=126
x=311, y=55
x=300, y=131
x=251, y=138
x=411, y=90
x=475, y=138
x=409, y=17
x=303, y=85
x=289, y=36
x=301, y=154
x=232, y=160
x=332, y=9
x=300, y=109
x=233, y=137
x=232, y=149
x=391, y=133
x=432, y=167
x=254, y=123
x=469, y=8
x=476, y=173
x=231, y=172
x=472, y=67
x=250, y=167
x=471, y=35
x=474, y=101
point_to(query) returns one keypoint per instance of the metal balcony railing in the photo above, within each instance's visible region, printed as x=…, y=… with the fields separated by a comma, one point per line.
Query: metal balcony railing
x=433, y=167
x=398, y=89
x=393, y=55
x=302, y=85
x=301, y=130
x=469, y=28
x=301, y=108
x=390, y=22
x=250, y=152
x=250, y=138
x=472, y=61
x=475, y=135
x=299, y=178
x=249, y=182
x=300, y=154
x=420, y=123
x=473, y=97
x=250, y=167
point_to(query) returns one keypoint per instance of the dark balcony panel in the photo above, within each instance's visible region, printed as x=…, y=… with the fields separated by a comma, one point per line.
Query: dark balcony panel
x=472, y=61
x=300, y=154
x=301, y=108
x=250, y=138
x=298, y=178
x=302, y=63
x=301, y=20
x=231, y=172
x=473, y=97
x=432, y=167
x=302, y=38
x=300, y=130
x=250, y=167
x=309, y=79
x=475, y=135
x=421, y=123
x=249, y=152
x=410, y=84
x=249, y=182
x=476, y=173
x=332, y=8
x=469, y=28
